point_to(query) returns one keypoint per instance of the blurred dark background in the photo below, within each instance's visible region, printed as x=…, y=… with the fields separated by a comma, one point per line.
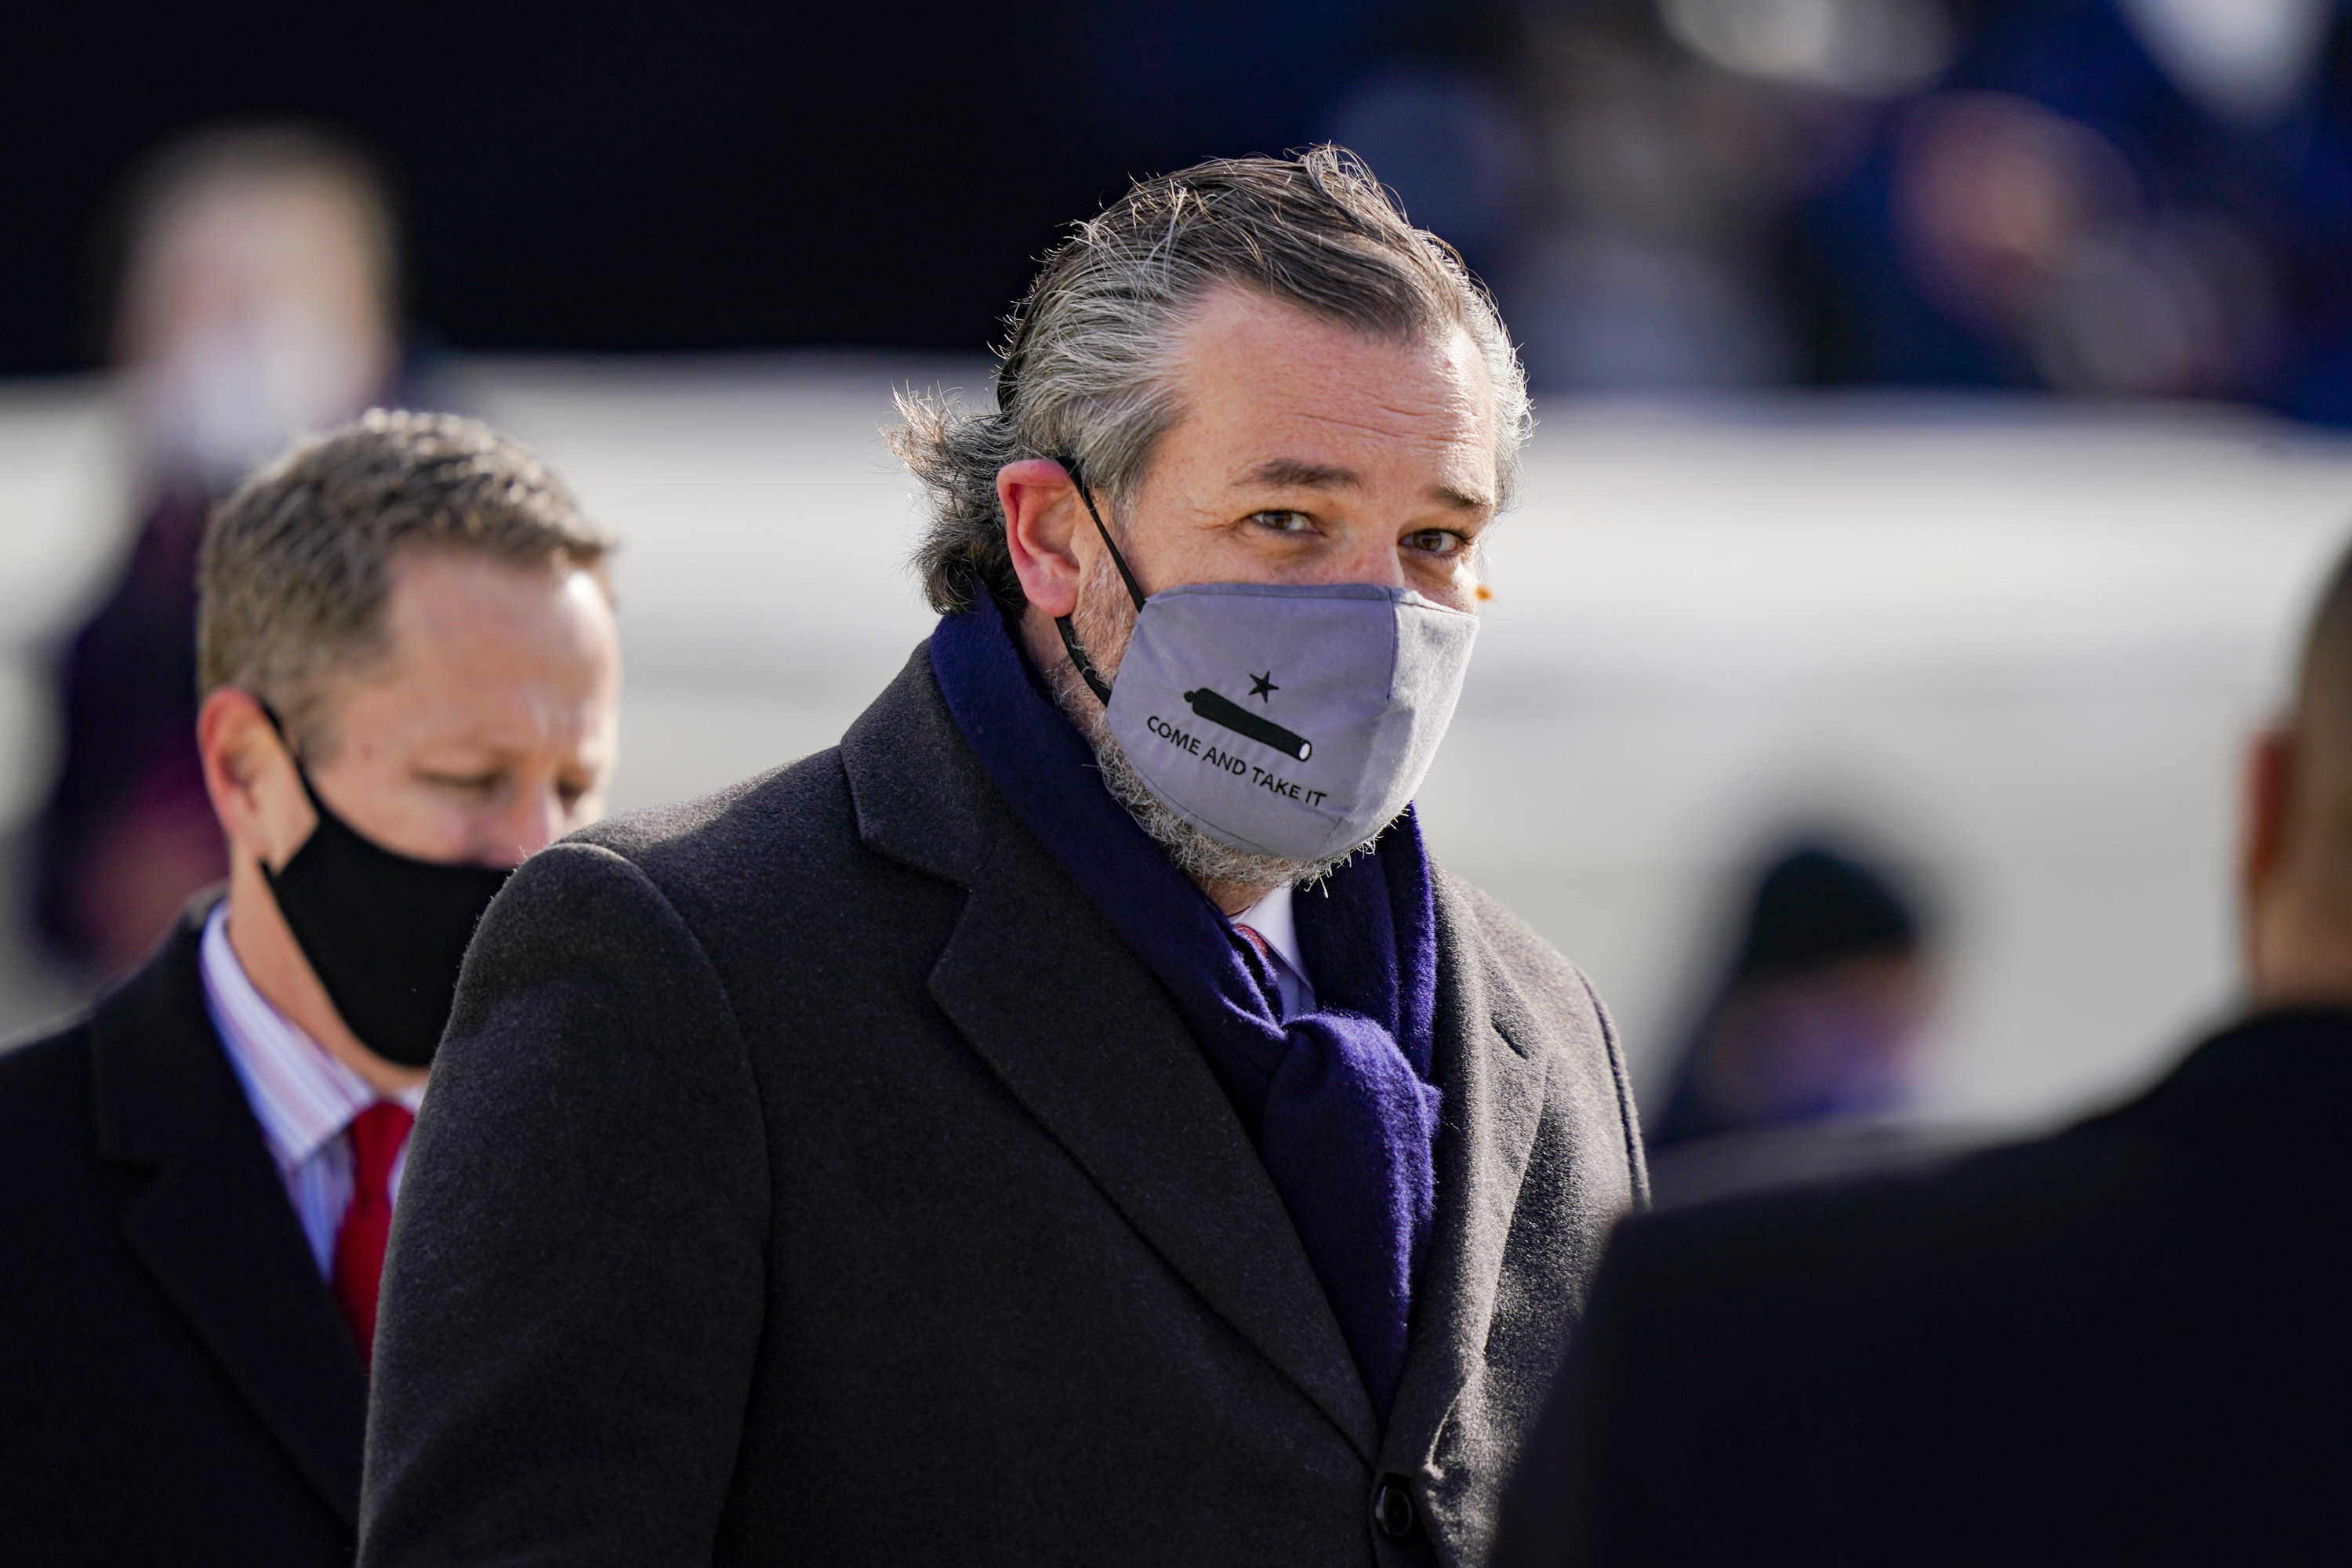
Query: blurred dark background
x=2131, y=196
x=680, y=178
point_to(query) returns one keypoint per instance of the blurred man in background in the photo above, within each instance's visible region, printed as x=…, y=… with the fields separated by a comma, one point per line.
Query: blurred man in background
x=1807, y=1048
x=410, y=682
x=256, y=301
x=2124, y=1344
x=1073, y=1119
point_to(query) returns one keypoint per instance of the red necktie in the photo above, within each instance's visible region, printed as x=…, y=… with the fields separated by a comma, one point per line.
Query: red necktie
x=1274, y=966
x=377, y=1135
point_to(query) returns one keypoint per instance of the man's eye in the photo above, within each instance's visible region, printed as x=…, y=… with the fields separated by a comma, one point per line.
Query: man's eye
x=471, y=784
x=1283, y=521
x=1436, y=542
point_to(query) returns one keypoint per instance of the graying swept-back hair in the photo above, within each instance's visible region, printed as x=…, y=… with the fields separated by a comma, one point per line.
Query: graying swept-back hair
x=1086, y=372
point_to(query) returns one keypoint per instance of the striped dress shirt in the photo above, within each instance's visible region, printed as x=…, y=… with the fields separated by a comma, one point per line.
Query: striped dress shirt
x=303, y=1098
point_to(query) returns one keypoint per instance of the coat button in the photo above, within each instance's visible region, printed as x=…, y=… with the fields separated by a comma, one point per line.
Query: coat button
x=1392, y=1507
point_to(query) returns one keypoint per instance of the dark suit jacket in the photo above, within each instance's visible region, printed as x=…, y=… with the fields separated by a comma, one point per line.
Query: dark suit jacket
x=175, y=1383
x=811, y=1174
x=2131, y=1343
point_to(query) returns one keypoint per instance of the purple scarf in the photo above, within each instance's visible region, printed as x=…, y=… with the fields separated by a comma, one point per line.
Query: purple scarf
x=1338, y=1100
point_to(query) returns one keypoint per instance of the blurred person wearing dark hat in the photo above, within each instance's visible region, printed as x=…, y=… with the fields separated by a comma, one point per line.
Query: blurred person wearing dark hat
x=2123, y=1343
x=1073, y=1118
x=1801, y=1065
x=410, y=682
x=255, y=302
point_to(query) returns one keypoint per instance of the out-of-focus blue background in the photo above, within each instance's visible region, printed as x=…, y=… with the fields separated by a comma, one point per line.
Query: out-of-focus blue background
x=1939, y=406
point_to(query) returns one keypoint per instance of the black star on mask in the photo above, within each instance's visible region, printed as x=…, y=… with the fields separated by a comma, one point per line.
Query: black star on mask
x=1262, y=687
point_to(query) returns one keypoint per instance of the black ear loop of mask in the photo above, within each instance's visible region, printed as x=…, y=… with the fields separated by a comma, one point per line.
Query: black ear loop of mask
x=1086, y=667
x=301, y=773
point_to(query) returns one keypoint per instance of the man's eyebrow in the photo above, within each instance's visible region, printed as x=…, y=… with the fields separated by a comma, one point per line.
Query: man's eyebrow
x=1461, y=500
x=1295, y=473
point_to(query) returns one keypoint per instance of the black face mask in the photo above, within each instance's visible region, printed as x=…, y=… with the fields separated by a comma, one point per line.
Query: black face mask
x=385, y=933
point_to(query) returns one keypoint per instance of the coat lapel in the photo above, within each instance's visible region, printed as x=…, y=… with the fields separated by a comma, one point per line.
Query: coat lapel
x=213, y=1224
x=1082, y=1035
x=1494, y=1101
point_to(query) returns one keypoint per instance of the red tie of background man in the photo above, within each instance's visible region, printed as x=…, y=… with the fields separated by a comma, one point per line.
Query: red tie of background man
x=377, y=1135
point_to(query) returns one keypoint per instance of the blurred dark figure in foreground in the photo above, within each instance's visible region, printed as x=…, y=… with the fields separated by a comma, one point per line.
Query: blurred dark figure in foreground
x=2124, y=1344
x=411, y=681
x=1808, y=1044
x=256, y=301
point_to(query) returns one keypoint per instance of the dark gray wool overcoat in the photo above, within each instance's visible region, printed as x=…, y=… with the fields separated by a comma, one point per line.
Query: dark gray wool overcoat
x=810, y=1174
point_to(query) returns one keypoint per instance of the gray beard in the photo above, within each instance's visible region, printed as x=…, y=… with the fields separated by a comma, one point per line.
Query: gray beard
x=1105, y=618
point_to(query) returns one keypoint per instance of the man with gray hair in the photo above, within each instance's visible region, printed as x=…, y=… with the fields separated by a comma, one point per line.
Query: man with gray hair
x=1073, y=1119
x=410, y=681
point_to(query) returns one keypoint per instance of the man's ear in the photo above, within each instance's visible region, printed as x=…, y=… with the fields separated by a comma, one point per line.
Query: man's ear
x=2269, y=799
x=1041, y=513
x=247, y=769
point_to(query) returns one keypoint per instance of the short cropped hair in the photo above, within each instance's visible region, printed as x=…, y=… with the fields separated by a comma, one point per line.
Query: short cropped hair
x=1086, y=372
x=295, y=567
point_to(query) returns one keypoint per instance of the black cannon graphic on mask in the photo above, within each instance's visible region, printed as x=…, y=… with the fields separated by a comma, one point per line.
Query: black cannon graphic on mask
x=1218, y=709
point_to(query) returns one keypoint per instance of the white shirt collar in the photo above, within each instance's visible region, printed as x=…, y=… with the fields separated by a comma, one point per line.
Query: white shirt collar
x=1271, y=918
x=300, y=1094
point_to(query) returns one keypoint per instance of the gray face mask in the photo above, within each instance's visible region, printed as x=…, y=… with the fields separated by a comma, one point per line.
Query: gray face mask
x=1291, y=722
